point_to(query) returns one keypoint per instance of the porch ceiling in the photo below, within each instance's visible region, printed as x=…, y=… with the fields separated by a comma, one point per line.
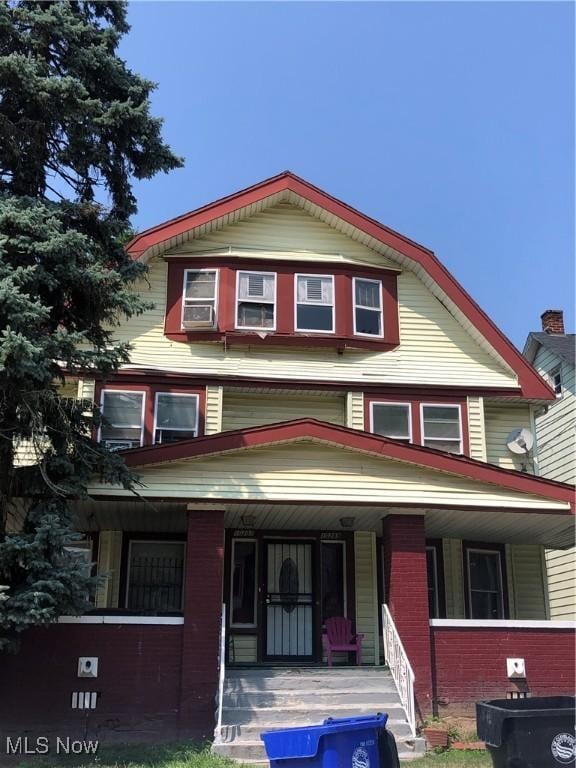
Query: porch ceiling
x=549, y=529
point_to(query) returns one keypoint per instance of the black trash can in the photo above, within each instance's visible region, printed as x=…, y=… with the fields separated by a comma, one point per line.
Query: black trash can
x=529, y=733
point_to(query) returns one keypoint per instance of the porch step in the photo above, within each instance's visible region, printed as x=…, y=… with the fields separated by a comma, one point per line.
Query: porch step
x=266, y=698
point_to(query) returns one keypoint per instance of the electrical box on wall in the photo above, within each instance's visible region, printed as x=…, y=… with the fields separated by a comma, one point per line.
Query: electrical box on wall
x=516, y=668
x=88, y=666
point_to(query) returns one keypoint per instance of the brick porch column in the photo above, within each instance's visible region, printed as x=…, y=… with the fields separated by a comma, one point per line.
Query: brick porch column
x=201, y=630
x=407, y=597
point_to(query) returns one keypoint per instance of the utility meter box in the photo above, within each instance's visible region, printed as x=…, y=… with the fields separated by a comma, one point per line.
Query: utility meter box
x=516, y=668
x=88, y=666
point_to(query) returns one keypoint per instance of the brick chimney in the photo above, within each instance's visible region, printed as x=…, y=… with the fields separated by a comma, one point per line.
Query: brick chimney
x=553, y=321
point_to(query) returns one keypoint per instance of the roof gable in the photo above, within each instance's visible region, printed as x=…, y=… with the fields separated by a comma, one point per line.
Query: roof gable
x=561, y=345
x=288, y=187
x=410, y=458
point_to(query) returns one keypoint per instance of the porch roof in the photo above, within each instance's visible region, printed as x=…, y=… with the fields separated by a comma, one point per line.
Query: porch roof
x=559, y=495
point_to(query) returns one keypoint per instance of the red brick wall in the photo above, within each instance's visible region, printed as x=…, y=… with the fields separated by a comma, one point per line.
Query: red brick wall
x=138, y=681
x=407, y=596
x=202, y=612
x=470, y=664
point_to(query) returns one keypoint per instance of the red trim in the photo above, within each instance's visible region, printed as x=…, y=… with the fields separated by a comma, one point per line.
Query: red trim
x=310, y=429
x=532, y=385
x=148, y=375
x=151, y=389
x=415, y=402
x=285, y=333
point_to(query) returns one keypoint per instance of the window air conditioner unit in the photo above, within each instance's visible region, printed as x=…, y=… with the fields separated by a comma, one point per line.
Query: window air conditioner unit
x=121, y=445
x=198, y=316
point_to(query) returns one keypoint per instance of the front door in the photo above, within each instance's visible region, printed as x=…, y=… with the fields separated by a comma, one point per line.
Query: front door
x=289, y=610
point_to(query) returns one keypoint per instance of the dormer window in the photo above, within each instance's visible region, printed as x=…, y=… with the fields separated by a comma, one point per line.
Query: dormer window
x=256, y=301
x=367, y=307
x=234, y=301
x=199, y=301
x=315, y=303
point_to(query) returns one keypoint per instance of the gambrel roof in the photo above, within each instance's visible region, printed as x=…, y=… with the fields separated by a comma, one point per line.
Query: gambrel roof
x=289, y=187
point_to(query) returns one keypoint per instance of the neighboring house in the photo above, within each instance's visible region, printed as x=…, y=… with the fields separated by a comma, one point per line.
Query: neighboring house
x=552, y=353
x=318, y=413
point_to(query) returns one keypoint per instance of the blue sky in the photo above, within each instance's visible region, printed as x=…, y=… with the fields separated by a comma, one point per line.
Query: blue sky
x=451, y=122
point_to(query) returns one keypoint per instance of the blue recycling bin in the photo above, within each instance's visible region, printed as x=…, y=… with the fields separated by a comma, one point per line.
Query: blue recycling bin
x=351, y=742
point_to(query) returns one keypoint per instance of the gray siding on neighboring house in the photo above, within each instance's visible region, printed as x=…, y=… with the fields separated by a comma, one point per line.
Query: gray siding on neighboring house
x=556, y=438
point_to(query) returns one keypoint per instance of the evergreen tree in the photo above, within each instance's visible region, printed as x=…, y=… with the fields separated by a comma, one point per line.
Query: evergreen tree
x=75, y=127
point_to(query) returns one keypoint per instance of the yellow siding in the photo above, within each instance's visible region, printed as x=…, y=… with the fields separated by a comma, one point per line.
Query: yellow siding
x=561, y=567
x=242, y=649
x=529, y=582
x=285, y=231
x=434, y=348
x=367, y=595
x=109, y=559
x=306, y=471
x=355, y=410
x=86, y=389
x=476, y=428
x=454, y=579
x=500, y=420
x=249, y=410
x=213, y=419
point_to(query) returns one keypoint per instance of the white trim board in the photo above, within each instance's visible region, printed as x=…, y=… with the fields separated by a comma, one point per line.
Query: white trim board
x=502, y=624
x=120, y=620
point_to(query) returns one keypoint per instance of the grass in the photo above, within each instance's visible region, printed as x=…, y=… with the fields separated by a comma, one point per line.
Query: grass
x=199, y=756
x=455, y=759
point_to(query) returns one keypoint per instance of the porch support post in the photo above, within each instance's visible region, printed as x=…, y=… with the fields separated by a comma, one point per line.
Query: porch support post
x=407, y=597
x=201, y=630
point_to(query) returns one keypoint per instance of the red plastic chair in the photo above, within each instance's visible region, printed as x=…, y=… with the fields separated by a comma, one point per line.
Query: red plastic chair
x=339, y=637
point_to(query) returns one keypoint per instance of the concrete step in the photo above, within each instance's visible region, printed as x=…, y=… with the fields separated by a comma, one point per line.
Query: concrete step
x=325, y=699
x=292, y=671
x=305, y=715
x=309, y=683
x=252, y=731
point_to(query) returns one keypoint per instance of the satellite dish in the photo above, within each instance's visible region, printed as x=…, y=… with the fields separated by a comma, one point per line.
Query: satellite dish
x=520, y=440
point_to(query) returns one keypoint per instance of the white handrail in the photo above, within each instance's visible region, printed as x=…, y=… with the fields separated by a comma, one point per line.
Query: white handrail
x=402, y=672
x=222, y=672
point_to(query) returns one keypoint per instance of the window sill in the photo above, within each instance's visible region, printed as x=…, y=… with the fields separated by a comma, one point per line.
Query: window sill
x=231, y=338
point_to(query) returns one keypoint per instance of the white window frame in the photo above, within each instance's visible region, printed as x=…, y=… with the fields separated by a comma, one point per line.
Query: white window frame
x=297, y=275
x=423, y=437
x=342, y=543
x=175, y=429
x=485, y=550
x=154, y=541
x=274, y=303
x=388, y=402
x=556, y=372
x=371, y=309
x=199, y=301
x=124, y=392
x=254, y=624
x=436, y=585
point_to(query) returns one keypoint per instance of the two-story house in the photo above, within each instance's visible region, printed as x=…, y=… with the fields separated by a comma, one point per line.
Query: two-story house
x=318, y=413
x=552, y=352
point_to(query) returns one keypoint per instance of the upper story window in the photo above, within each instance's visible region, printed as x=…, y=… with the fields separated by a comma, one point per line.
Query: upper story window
x=256, y=300
x=368, y=320
x=392, y=420
x=199, y=302
x=234, y=301
x=315, y=303
x=441, y=427
x=149, y=415
x=556, y=381
x=122, y=419
x=175, y=417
